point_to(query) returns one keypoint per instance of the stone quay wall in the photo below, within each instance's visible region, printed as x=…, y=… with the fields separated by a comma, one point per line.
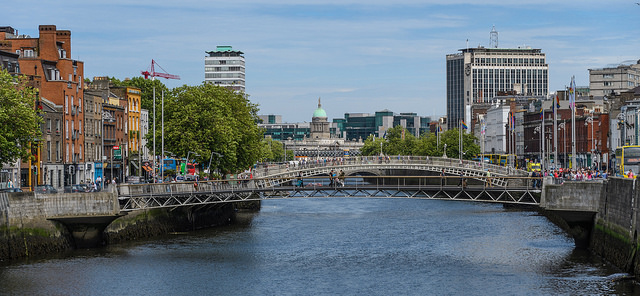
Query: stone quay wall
x=27, y=231
x=614, y=230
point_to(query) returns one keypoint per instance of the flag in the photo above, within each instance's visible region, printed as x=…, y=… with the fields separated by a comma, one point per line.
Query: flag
x=464, y=125
x=557, y=101
x=440, y=128
x=402, y=136
x=572, y=93
x=541, y=113
x=513, y=121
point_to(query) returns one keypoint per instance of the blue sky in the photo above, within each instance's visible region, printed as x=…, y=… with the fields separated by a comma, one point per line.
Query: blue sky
x=358, y=56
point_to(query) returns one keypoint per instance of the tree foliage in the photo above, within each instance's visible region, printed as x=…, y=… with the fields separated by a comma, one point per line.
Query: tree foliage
x=19, y=121
x=426, y=145
x=274, y=151
x=206, y=118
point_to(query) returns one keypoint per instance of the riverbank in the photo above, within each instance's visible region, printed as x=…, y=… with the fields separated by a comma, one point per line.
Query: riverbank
x=27, y=229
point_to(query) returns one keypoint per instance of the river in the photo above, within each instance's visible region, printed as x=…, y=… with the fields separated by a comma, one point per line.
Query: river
x=336, y=246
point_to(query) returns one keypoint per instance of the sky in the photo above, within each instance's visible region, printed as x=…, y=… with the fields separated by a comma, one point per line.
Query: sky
x=358, y=56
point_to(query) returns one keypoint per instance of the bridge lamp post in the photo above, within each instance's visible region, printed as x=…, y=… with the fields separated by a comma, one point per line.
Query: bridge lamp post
x=536, y=130
x=588, y=121
x=209, y=166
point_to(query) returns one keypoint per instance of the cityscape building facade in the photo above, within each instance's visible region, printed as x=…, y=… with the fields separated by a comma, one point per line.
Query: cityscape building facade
x=475, y=75
x=613, y=80
x=46, y=60
x=225, y=67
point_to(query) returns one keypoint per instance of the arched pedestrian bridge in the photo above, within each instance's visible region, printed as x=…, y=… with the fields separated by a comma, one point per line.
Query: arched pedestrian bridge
x=386, y=166
x=394, y=177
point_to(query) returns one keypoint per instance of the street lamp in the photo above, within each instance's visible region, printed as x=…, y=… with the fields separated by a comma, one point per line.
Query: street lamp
x=536, y=130
x=564, y=138
x=586, y=123
x=209, y=166
x=444, y=153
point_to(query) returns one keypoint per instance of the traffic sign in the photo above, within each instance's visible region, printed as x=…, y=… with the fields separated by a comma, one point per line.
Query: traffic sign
x=116, y=147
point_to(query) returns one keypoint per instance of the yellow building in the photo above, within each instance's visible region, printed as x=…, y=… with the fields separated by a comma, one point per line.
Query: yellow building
x=132, y=98
x=134, y=101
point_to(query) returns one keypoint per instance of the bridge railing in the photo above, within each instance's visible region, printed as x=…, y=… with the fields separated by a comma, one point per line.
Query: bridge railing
x=276, y=169
x=353, y=182
x=184, y=187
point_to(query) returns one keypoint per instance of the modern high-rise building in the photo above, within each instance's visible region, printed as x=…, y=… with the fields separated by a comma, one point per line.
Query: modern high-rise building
x=225, y=67
x=607, y=81
x=475, y=75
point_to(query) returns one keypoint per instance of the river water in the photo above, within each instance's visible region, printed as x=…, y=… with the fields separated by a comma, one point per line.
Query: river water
x=337, y=246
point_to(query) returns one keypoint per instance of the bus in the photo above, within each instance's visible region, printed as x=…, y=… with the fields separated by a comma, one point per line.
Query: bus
x=169, y=164
x=501, y=159
x=627, y=158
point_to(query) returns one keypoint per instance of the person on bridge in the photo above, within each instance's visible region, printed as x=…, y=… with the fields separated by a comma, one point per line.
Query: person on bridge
x=341, y=178
x=463, y=182
x=489, y=178
x=442, y=178
x=300, y=182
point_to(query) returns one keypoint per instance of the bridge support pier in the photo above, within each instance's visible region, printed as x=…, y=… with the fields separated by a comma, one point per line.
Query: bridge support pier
x=86, y=231
x=578, y=224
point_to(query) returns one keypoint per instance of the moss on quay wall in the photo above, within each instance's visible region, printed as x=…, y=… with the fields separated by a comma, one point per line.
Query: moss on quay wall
x=37, y=237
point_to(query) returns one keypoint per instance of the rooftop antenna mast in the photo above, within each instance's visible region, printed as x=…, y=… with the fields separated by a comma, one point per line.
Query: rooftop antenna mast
x=493, y=40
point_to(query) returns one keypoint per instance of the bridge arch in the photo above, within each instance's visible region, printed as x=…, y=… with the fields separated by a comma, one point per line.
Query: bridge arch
x=284, y=173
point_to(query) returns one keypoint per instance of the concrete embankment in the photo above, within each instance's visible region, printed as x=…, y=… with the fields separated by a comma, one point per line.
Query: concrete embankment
x=612, y=230
x=35, y=225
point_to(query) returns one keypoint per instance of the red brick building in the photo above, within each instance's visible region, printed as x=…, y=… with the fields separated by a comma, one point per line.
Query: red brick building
x=47, y=59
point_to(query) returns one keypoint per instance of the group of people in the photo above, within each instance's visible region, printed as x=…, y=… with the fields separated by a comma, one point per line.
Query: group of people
x=336, y=179
x=583, y=174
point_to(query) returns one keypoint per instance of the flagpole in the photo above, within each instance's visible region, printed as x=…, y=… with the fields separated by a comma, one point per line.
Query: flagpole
x=542, y=136
x=460, y=140
x=555, y=131
x=572, y=103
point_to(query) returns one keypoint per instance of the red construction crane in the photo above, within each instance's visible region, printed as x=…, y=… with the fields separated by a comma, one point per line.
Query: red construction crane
x=152, y=72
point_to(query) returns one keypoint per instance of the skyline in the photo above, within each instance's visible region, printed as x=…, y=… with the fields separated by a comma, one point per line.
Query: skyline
x=357, y=56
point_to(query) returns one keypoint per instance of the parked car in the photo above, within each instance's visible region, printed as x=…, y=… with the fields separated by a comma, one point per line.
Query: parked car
x=74, y=188
x=45, y=189
x=12, y=189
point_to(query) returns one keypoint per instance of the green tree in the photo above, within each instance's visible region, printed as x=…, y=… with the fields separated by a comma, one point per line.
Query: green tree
x=208, y=118
x=274, y=151
x=372, y=146
x=19, y=121
x=399, y=142
x=452, y=139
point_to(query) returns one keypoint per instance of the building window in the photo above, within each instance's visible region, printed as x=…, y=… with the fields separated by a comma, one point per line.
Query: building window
x=66, y=104
x=48, y=150
x=66, y=129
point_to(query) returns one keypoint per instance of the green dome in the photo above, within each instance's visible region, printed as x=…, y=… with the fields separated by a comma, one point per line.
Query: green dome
x=319, y=113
